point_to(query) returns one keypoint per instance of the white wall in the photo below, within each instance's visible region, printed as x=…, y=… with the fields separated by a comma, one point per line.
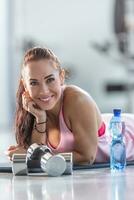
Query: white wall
x=69, y=27
x=4, y=67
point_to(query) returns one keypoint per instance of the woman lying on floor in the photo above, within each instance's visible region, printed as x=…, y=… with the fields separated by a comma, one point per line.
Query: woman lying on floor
x=63, y=117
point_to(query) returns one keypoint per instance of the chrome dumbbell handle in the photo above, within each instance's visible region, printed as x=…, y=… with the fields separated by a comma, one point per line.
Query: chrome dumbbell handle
x=69, y=163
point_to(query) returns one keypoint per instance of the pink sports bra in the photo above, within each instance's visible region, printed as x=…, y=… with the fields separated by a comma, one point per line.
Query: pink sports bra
x=102, y=129
x=66, y=143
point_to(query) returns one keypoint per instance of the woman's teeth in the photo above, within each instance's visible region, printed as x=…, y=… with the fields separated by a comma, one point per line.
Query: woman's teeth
x=45, y=99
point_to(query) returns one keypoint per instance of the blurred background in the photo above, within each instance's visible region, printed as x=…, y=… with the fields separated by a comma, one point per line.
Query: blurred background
x=93, y=39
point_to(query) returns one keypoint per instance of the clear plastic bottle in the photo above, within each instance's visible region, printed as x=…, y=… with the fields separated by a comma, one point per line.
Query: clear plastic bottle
x=117, y=147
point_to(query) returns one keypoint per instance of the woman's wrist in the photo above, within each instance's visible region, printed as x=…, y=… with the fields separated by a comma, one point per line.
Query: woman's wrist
x=40, y=126
x=41, y=120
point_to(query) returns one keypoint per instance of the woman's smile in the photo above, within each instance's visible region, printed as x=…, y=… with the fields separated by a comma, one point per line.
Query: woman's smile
x=46, y=102
x=46, y=99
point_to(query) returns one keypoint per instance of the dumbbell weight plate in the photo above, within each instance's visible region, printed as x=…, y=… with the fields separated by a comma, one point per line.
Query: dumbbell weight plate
x=53, y=165
x=19, y=166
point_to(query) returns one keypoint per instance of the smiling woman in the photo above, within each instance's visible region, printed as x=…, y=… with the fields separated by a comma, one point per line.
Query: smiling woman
x=39, y=91
x=63, y=117
x=42, y=80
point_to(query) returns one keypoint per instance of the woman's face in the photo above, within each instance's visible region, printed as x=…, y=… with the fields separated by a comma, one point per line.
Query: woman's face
x=42, y=80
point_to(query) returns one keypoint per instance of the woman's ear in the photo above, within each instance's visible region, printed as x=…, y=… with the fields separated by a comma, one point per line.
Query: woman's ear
x=62, y=76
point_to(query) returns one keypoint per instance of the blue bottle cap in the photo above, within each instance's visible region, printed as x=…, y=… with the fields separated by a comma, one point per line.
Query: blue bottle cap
x=117, y=112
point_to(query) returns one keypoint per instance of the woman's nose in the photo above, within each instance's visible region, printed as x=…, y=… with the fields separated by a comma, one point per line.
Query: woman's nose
x=44, y=89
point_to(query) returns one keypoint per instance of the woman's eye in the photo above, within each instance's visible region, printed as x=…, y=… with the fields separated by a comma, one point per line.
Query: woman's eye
x=50, y=80
x=33, y=83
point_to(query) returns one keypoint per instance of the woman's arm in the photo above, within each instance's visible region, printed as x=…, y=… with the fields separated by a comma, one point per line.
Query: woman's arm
x=39, y=129
x=37, y=137
x=84, y=125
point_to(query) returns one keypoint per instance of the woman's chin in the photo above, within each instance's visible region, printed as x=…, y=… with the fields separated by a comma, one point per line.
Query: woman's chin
x=47, y=108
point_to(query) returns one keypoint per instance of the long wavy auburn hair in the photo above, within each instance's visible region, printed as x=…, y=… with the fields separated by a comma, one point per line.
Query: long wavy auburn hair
x=24, y=121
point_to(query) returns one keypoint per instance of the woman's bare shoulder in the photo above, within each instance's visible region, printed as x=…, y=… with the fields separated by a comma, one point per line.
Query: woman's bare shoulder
x=77, y=101
x=75, y=96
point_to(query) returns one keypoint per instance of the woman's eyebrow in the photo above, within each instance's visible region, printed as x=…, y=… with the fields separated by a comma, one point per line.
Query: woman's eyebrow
x=50, y=75
x=32, y=79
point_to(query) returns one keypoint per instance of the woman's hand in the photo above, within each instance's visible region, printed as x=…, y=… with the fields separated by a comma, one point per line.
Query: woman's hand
x=15, y=150
x=30, y=106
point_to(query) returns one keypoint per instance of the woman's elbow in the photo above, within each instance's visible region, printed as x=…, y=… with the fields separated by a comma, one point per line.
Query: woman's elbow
x=87, y=158
x=90, y=158
x=90, y=155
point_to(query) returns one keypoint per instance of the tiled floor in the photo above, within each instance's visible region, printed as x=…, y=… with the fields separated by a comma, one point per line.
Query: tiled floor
x=93, y=184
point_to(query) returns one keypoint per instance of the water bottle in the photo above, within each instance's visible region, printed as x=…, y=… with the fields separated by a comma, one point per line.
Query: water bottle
x=117, y=146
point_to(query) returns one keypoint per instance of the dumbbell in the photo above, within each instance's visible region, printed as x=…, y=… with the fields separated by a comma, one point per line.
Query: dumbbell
x=41, y=157
x=53, y=165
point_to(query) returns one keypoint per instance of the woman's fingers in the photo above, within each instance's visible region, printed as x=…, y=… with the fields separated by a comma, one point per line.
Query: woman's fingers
x=28, y=104
x=12, y=147
x=25, y=100
x=10, y=150
x=10, y=153
x=16, y=150
x=31, y=106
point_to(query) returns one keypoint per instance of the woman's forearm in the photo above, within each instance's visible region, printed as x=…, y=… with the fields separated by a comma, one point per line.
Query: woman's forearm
x=39, y=132
x=39, y=138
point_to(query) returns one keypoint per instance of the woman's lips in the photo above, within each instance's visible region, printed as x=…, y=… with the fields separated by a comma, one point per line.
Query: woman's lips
x=46, y=99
